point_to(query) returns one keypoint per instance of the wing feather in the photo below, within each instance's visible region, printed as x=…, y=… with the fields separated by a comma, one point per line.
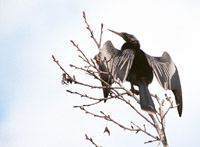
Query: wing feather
x=167, y=75
x=116, y=62
x=121, y=64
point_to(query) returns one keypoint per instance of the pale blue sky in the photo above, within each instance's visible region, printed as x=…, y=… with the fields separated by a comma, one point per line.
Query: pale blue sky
x=35, y=110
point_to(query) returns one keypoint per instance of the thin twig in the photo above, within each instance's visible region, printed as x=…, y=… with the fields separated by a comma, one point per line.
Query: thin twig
x=57, y=62
x=76, y=45
x=89, y=97
x=108, y=118
x=101, y=35
x=91, y=140
x=91, y=32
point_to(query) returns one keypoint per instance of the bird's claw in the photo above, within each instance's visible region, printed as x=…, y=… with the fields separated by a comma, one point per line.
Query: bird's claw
x=135, y=91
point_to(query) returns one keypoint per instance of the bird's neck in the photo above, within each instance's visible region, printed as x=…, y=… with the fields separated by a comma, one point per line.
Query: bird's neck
x=129, y=45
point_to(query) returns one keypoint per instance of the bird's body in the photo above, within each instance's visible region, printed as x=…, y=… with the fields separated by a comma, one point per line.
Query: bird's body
x=134, y=65
x=140, y=71
x=140, y=74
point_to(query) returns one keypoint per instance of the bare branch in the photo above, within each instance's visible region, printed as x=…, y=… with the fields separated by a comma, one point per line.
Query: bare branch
x=89, y=97
x=91, y=140
x=101, y=35
x=171, y=106
x=57, y=62
x=108, y=118
x=76, y=45
x=91, y=32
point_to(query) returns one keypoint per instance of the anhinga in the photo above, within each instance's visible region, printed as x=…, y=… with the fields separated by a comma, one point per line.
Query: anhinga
x=134, y=65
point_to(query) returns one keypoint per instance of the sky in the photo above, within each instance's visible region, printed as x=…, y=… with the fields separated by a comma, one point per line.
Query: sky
x=36, y=111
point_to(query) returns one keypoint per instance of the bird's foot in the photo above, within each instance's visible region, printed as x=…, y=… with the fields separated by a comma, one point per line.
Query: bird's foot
x=135, y=91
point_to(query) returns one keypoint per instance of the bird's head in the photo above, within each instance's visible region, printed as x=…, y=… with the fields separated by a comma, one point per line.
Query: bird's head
x=128, y=38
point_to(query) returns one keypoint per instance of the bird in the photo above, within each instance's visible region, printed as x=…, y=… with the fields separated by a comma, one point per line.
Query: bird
x=132, y=64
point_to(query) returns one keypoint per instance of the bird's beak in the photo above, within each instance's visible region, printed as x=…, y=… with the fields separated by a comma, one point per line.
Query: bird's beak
x=120, y=34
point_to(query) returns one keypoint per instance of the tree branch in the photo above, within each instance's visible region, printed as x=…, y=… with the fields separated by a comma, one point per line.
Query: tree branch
x=91, y=140
x=91, y=32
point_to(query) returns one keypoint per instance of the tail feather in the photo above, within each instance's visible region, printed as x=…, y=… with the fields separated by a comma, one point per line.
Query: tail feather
x=106, y=78
x=106, y=91
x=146, y=101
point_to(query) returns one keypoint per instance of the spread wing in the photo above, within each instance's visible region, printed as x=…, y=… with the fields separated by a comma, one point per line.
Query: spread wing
x=116, y=62
x=121, y=64
x=167, y=75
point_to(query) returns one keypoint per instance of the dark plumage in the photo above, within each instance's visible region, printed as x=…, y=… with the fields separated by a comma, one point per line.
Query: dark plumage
x=134, y=65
